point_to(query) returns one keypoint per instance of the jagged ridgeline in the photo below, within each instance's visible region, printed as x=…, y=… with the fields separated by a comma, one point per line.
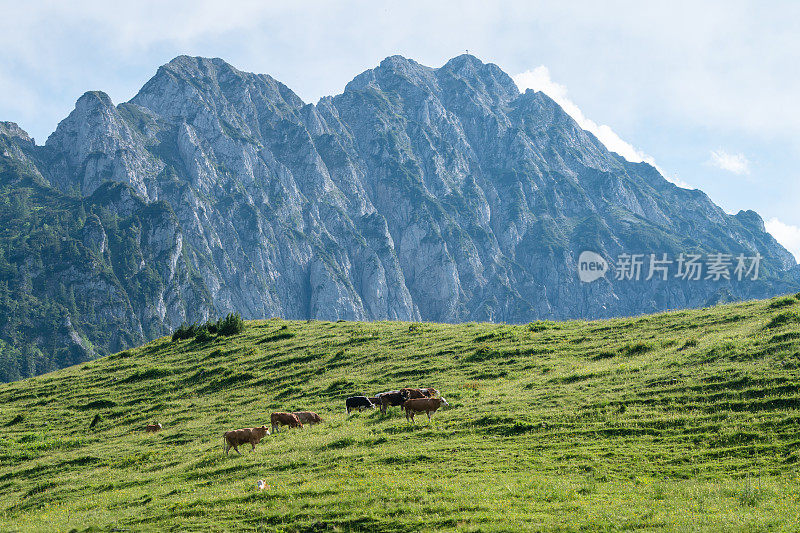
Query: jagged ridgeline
x=416, y=194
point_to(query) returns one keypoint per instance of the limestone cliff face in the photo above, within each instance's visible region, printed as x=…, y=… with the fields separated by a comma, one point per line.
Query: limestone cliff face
x=418, y=193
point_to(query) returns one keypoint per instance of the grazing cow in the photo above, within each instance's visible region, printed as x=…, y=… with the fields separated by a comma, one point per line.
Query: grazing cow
x=387, y=392
x=358, y=402
x=308, y=417
x=430, y=392
x=285, y=419
x=152, y=428
x=375, y=400
x=242, y=436
x=391, y=399
x=422, y=405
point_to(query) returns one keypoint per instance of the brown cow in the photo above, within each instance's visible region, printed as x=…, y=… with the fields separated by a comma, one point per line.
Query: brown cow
x=308, y=417
x=242, y=436
x=391, y=399
x=374, y=400
x=410, y=394
x=152, y=428
x=284, y=419
x=422, y=405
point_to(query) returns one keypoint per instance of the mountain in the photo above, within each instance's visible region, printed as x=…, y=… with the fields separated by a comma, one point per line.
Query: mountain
x=681, y=421
x=416, y=194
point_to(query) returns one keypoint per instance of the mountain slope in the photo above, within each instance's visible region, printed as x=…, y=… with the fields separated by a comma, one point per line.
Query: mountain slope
x=80, y=276
x=416, y=194
x=685, y=420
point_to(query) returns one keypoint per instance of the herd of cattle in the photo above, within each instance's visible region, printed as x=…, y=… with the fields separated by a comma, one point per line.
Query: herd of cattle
x=233, y=439
x=412, y=401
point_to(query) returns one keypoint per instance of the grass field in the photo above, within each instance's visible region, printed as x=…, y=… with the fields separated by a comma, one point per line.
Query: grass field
x=684, y=421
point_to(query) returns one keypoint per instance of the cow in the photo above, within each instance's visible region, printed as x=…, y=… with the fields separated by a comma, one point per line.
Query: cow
x=152, y=428
x=308, y=417
x=387, y=392
x=430, y=392
x=422, y=405
x=410, y=394
x=284, y=419
x=375, y=400
x=242, y=436
x=358, y=402
x=391, y=399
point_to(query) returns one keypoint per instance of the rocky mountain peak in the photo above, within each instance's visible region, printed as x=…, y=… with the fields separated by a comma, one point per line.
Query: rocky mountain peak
x=393, y=73
x=487, y=78
x=92, y=99
x=13, y=131
x=418, y=193
x=752, y=218
x=398, y=63
x=190, y=87
x=94, y=113
x=95, y=144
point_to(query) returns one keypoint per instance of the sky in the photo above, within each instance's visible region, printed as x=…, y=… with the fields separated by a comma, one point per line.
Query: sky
x=705, y=91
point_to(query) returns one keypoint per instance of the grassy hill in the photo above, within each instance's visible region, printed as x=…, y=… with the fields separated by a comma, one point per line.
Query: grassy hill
x=679, y=421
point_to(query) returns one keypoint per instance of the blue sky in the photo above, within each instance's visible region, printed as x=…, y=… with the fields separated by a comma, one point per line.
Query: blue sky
x=707, y=91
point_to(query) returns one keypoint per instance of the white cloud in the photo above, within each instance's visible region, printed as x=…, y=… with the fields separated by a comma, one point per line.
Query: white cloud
x=736, y=163
x=539, y=79
x=786, y=234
